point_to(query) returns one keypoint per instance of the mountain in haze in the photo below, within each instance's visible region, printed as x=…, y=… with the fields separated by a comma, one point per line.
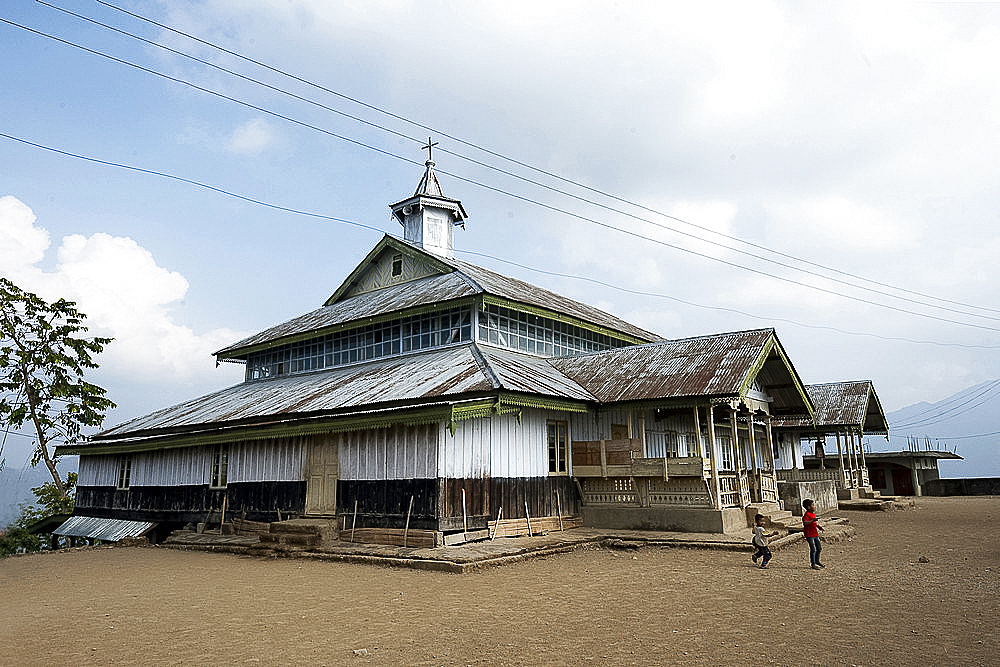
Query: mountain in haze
x=15, y=489
x=967, y=423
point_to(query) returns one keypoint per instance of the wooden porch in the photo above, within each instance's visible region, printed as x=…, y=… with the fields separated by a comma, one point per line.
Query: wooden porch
x=615, y=472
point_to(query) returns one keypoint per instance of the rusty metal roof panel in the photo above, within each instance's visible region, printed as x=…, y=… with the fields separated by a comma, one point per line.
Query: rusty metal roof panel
x=446, y=372
x=435, y=289
x=106, y=530
x=842, y=404
x=525, y=373
x=704, y=366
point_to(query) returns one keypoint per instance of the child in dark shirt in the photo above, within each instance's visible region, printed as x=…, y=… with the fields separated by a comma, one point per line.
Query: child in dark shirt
x=760, y=536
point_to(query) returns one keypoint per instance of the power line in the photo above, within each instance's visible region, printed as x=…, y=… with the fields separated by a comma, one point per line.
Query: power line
x=503, y=171
x=510, y=194
x=320, y=216
x=496, y=154
x=507, y=193
x=953, y=411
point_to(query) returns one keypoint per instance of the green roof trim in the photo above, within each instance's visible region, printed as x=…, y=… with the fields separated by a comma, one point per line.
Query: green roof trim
x=541, y=402
x=773, y=345
x=489, y=299
x=356, y=422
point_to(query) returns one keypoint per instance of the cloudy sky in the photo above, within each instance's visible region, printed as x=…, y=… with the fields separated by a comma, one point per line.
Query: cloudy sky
x=828, y=169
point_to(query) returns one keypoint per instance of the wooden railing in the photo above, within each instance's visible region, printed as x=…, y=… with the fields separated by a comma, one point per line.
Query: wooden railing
x=846, y=479
x=623, y=458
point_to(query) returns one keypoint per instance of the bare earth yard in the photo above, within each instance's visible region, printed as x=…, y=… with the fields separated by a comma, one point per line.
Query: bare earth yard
x=877, y=603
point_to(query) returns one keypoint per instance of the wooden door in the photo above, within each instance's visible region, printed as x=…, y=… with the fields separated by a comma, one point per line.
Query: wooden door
x=902, y=482
x=323, y=469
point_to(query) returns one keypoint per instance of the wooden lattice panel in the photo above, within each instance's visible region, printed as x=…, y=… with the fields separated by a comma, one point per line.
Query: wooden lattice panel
x=612, y=491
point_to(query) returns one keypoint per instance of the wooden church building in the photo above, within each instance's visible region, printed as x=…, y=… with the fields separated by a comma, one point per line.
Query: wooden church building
x=431, y=392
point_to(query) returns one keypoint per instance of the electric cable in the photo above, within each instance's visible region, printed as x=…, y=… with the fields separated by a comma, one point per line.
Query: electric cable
x=496, y=154
x=511, y=174
x=320, y=216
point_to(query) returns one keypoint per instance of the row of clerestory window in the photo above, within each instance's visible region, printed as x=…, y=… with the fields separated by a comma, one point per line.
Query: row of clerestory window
x=497, y=325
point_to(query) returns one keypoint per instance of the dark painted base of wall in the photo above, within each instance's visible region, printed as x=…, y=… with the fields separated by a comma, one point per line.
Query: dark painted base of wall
x=437, y=504
x=976, y=486
x=261, y=501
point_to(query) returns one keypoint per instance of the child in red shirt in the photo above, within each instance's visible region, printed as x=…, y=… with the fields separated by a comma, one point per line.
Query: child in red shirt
x=811, y=528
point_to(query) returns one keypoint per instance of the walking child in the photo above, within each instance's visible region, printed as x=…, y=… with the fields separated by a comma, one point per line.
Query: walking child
x=760, y=537
x=811, y=528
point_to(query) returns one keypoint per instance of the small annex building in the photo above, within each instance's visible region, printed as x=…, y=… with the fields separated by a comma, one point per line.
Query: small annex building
x=845, y=412
x=433, y=393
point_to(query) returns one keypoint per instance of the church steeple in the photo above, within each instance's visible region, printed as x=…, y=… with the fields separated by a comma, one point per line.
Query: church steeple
x=428, y=217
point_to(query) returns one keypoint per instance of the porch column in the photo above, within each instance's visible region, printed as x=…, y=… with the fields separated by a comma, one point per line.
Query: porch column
x=852, y=458
x=770, y=448
x=697, y=430
x=840, y=453
x=752, y=444
x=642, y=431
x=714, y=458
x=734, y=436
x=861, y=449
x=917, y=491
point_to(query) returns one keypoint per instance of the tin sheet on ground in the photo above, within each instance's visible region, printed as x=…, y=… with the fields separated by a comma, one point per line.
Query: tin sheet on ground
x=108, y=530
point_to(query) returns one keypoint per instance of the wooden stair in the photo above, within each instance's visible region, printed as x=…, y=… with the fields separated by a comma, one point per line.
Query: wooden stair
x=775, y=518
x=299, y=534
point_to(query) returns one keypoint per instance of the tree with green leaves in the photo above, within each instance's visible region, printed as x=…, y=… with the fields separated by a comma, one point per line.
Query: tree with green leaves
x=44, y=352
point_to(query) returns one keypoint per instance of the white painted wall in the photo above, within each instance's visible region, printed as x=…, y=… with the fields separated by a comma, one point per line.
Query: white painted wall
x=274, y=460
x=500, y=446
x=400, y=452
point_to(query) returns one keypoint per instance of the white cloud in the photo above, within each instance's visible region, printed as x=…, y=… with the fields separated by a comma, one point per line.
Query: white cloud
x=251, y=138
x=124, y=293
x=21, y=243
x=836, y=223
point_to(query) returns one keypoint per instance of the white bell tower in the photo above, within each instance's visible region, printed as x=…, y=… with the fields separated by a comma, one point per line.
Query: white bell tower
x=428, y=217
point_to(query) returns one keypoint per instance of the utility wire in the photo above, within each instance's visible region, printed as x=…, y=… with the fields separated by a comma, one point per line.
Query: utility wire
x=535, y=169
x=522, y=178
x=320, y=216
x=953, y=411
x=504, y=192
x=941, y=410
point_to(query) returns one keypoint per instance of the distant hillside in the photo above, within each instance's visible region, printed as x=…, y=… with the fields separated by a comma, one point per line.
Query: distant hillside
x=15, y=489
x=967, y=423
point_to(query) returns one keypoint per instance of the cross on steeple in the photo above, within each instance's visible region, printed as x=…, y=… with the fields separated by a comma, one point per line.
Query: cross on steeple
x=429, y=147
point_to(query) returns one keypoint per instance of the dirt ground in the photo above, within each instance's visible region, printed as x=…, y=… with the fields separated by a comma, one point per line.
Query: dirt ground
x=877, y=603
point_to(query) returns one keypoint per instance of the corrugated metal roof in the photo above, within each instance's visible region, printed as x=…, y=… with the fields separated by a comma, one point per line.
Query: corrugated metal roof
x=466, y=280
x=446, y=372
x=400, y=297
x=697, y=367
x=529, y=374
x=716, y=365
x=851, y=403
x=517, y=290
x=107, y=530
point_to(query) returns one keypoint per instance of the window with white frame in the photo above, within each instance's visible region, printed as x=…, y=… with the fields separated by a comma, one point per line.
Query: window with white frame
x=373, y=341
x=220, y=467
x=539, y=335
x=558, y=441
x=124, y=471
x=726, y=445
